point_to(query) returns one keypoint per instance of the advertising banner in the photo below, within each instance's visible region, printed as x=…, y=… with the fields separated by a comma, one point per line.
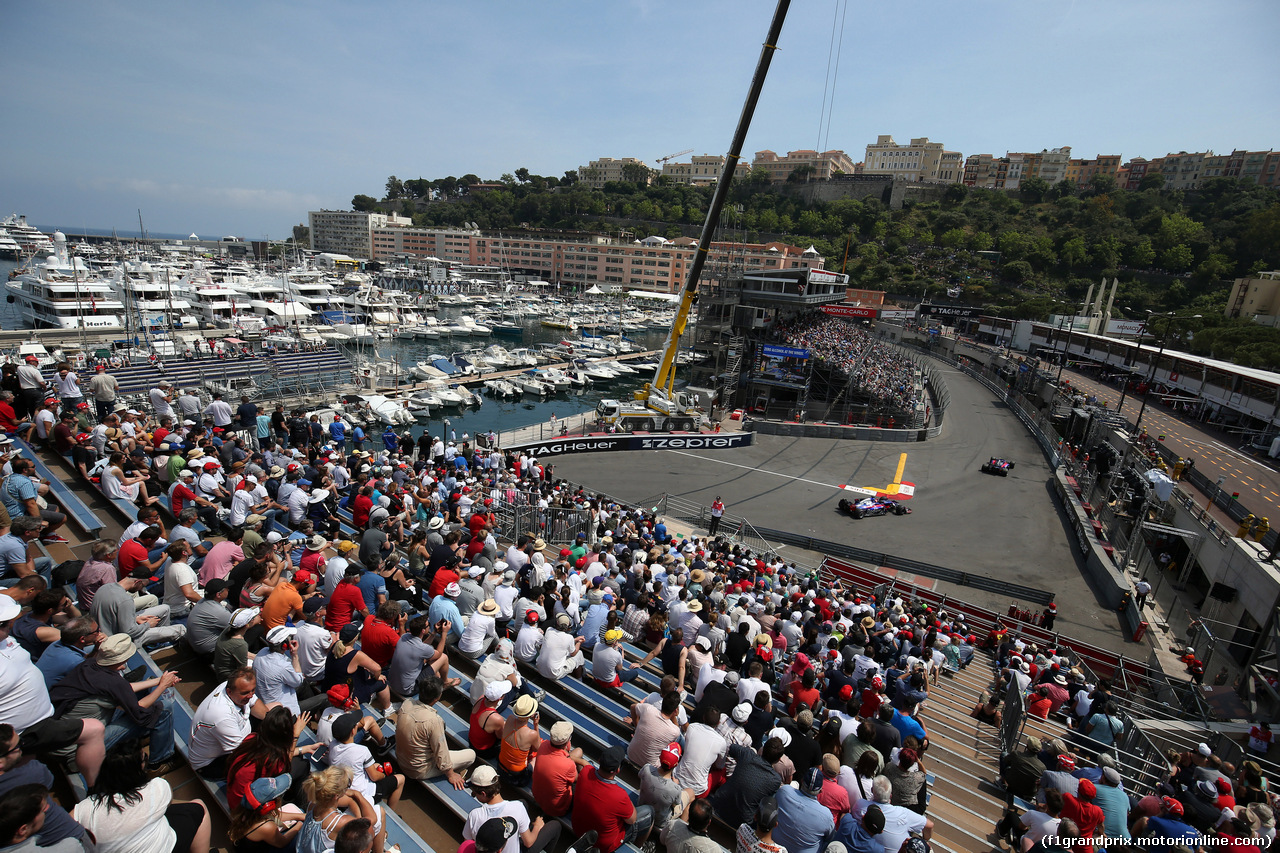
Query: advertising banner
x=850, y=311
x=619, y=443
x=890, y=314
x=964, y=311
x=785, y=352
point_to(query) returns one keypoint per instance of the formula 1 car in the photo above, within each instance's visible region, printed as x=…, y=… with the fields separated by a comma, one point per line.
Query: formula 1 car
x=872, y=506
x=999, y=467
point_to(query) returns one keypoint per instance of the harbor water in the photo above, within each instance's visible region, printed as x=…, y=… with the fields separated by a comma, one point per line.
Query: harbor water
x=495, y=414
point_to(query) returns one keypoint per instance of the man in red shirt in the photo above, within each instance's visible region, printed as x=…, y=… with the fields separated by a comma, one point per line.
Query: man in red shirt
x=361, y=506
x=346, y=601
x=133, y=553
x=1082, y=810
x=599, y=803
x=556, y=770
x=381, y=633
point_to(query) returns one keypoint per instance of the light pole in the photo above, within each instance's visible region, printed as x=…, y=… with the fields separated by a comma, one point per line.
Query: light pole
x=1155, y=365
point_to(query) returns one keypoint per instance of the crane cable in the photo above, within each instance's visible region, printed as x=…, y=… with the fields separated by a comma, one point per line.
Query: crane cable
x=829, y=83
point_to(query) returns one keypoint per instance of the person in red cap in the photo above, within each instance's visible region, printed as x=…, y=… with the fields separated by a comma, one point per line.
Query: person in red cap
x=1167, y=825
x=1081, y=809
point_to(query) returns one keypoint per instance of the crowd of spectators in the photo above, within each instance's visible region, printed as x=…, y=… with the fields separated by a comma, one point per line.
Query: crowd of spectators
x=334, y=584
x=876, y=368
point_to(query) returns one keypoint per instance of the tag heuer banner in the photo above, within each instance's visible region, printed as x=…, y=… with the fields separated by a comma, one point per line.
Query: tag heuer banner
x=957, y=311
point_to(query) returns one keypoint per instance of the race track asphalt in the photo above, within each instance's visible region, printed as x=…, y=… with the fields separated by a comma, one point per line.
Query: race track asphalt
x=1005, y=527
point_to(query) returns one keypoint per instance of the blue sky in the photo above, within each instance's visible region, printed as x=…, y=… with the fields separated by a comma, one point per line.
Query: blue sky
x=237, y=118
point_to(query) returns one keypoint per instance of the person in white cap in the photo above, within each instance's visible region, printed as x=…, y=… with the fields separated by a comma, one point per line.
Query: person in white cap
x=278, y=670
x=231, y=652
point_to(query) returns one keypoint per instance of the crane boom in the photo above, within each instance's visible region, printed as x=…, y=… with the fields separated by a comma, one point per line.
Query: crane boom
x=664, y=160
x=665, y=376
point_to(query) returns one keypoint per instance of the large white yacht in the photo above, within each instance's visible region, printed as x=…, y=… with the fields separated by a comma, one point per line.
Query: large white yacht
x=29, y=238
x=62, y=293
x=155, y=296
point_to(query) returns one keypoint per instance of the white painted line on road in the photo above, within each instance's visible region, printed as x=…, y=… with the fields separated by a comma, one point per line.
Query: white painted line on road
x=753, y=468
x=1234, y=452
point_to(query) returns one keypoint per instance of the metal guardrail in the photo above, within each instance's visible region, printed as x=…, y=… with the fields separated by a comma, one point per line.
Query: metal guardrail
x=916, y=567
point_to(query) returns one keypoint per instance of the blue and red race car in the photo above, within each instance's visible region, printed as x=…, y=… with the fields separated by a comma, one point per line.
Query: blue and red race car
x=869, y=507
x=999, y=467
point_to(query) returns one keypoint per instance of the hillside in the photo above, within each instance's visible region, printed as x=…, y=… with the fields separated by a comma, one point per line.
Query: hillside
x=1172, y=251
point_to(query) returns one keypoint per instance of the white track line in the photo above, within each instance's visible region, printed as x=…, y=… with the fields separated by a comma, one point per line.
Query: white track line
x=753, y=468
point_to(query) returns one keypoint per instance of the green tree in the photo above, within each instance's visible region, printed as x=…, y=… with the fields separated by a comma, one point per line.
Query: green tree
x=1034, y=189
x=1106, y=252
x=1151, y=181
x=1142, y=254
x=1017, y=271
x=1102, y=184
x=952, y=238
x=636, y=173
x=366, y=203
x=1073, y=252
x=801, y=174
x=955, y=194
x=981, y=241
x=522, y=175
x=570, y=177
x=1177, y=258
x=395, y=188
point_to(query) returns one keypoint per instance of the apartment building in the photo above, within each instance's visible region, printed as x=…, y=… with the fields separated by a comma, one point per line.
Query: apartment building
x=991, y=172
x=448, y=244
x=1048, y=164
x=348, y=232
x=921, y=160
x=1081, y=171
x=606, y=170
x=701, y=171
x=653, y=264
x=1256, y=298
x=825, y=164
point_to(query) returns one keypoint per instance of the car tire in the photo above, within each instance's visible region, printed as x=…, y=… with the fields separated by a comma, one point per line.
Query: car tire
x=1011, y=464
x=857, y=513
x=986, y=468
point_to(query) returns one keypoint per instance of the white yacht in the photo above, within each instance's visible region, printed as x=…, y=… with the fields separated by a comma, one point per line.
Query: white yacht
x=30, y=240
x=61, y=293
x=156, y=297
x=9, y=247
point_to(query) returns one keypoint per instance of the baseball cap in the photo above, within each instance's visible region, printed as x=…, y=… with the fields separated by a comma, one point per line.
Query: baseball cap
x=495, y=690
x=495, y=832
x=1087, y=789
x=280, y=633
x=340, y=697
x=243, y=616
x=560, y=732
x=873, y=820
x=670, y=756
x=811, y=781
x=311, y=606
x=9, y=608
x=344, y=725
x=611, y=759
x=1172, y=805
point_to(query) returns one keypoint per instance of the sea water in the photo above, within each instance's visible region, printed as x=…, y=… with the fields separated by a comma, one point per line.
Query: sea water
x=495, y=414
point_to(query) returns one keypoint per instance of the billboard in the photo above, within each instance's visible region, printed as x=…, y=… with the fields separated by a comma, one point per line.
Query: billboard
x=785, y=352
x=624, y=442
x=954, y=311
x=850, y=311
x=889, y=314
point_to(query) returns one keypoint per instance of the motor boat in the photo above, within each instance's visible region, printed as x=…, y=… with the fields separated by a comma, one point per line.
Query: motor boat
x=529, y=385
x=427, y=398
x=465, y=394
x=501, y=388
x=596, y=372
x=554, y=377
x=388, y=411
x=621, y=368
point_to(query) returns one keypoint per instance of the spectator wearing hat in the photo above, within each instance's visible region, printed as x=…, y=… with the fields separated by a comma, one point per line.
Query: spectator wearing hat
x=1168, y=825
x=600, y=804
x=804, y=824
x=207, y=619
x=481, y=630
x=659, y=789
x=1060, y=778
x=231, y=651
x=347, y=602
x=414, y=653
x=608, y=663
x=556, y=770
x=899, y=822
x=1114, y=803
x=350, y=666
x=561, y=652
x=421, y=748
x=861, y=834
x=499, y=826
x=517, y=751
x=265, y=821
x=221, y=723
x=1087, y=816
x=1021, y=772
x=529, y=639
x=374, y=780
x=137, y=709
x=279, y=671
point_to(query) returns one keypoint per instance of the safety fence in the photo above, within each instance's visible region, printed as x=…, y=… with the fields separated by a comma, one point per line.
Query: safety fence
x=555, y=525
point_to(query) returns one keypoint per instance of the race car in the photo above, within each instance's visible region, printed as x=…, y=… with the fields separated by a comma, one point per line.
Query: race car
x=868, y=507
x=999, y=467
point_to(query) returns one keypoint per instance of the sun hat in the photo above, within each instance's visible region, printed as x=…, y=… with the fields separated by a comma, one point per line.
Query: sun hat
x=244, y=616
x=489, y=608
x=561, y=732
x=495, y=690
x=741, y=712
x=435, y=523
x=779, y=733
x=525, y=706
x=317, y=543
x=115, y=650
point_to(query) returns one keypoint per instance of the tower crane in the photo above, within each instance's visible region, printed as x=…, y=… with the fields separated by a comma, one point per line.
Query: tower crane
x=663, y=160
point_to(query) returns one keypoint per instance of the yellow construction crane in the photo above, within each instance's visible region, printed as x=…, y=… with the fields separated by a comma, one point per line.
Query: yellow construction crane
x=663, y=160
